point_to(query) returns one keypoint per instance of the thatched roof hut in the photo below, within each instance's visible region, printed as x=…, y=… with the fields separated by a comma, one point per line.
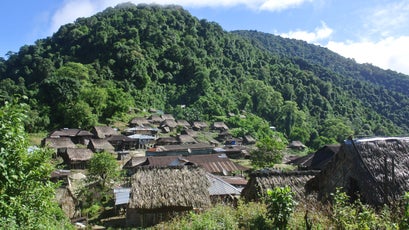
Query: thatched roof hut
x=103, y=131
x=139, y=121
x=167, y=117
x=77, y=157
x=296, y=145
x=58, y=143
x=262, y=180
x=186, y=139
x=199, y=125
x=176, y=150
x=317, y=160
x=183, y=123
x=189, y=132
x=167, y=141
x=158, y=194
x=168, y=125
x=219, y=125
x=64, y=133
x=155, y=119
x=375, y=168
x=249, y=140
x=212, y=163
x=99, y=145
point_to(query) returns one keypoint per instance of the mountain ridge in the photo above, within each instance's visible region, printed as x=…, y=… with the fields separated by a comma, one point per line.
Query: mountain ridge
x=143, y=56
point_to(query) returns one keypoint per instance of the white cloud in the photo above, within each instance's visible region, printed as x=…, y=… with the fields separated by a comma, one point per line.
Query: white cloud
x=389, y=53
x=320, y=33
x=387, y=19
x=70, y=11
x=278, y=5
x=73, y=9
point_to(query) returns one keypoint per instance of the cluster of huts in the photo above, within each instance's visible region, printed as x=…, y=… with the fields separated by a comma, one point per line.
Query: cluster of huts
x=178, y=174
x=176, y=165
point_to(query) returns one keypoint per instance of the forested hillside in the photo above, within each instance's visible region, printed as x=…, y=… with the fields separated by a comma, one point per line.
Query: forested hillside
x=131, y=58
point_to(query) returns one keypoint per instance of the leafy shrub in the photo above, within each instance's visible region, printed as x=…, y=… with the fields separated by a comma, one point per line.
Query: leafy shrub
x=280, y=206
x=404, y=221
x=357, y=215
x=252, y=215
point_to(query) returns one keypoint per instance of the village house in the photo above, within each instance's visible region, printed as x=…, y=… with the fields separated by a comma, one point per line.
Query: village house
x=183, y=124
x=139, y=122
x=199, y=125
x=296, y=145
x=262, y=180
x=58, y=144
x=185, y=150
x=122, y=142
x=99, y=145
x=144, y=141
x=221, y=191
x=185, y=139
x=219, y=126
x=213, y=163
x=76, y=158
x=168, y=125
x=102, y=132
x=233, y=151
x=248, y=140
x=155, y=119
x=166, y=141
x=374, y=169
x=159, y=194
x=189, y=132
x=167, y=117
x=317, y=160
x=141, y=130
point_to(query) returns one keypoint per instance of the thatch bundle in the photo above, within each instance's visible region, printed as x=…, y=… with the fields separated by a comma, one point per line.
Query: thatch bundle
x=262, y=180
x=376, y=169
x=170, y=188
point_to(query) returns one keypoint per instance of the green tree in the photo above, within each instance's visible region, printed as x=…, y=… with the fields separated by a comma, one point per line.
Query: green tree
x=27, y=196
x=103, y=168
x=268, y=152
x=336, y=129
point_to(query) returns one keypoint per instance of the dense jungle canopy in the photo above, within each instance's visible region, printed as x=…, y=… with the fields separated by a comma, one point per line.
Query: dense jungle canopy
x=134, y=57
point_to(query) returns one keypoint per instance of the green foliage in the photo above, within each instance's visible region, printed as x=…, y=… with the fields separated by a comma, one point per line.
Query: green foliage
x=103, y=168
x=97, y=195
x=357, y=215
x=26, y=193
x=94, y=199
x=148, y=56
x=252, y=215
x=268, y=151
x=280, y=205
x=246, y=216
x=404, y=222
x=252, y=125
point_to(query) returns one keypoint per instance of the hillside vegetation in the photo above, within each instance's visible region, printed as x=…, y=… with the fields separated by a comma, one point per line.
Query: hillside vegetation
x=130, y=58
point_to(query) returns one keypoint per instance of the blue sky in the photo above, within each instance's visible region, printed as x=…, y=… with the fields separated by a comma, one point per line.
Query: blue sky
x=370, y=31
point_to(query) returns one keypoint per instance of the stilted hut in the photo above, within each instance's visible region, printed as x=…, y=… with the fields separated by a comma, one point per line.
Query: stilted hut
x=77, y=158
x=158, y=194
x=262, y=180
x=376, y=169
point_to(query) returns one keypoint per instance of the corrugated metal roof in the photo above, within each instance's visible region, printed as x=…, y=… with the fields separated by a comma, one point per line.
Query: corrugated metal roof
x=220, y=187
x=213, y=163
x=122, y=195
